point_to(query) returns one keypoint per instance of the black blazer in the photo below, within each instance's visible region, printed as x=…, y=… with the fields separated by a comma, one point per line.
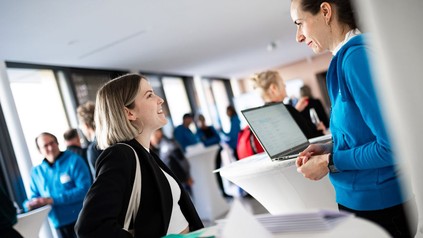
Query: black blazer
x=105, y=205
x=306, y=126
x=321, y=113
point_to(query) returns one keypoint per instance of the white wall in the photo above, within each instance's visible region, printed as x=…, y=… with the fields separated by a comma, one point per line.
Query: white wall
x=397, y=34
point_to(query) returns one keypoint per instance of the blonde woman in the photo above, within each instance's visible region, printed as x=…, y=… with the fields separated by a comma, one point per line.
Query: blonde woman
x=127, y=111
x=272, y=89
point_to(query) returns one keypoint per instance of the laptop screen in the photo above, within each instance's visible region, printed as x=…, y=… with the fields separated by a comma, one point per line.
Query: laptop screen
x=275, y=128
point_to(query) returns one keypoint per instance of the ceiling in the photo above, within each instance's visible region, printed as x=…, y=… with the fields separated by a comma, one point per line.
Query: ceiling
x=217, y=38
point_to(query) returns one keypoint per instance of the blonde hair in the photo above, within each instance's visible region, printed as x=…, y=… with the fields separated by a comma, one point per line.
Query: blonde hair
x=112, y=125
x=262, y=81
x=86, y=114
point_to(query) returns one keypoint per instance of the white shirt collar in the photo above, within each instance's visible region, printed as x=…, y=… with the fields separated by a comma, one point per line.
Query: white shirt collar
x=348, y=36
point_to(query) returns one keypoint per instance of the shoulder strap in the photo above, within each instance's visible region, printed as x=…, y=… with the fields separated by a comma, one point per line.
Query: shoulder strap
x=135, y=199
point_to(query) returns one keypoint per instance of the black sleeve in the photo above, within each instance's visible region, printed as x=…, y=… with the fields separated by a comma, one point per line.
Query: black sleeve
x=321, y=113
x=105, y=204
x=308, y=128
x=7, y=211
x=93, y=152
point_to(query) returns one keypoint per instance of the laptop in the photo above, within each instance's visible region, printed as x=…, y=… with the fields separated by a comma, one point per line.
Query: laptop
x=276, y=130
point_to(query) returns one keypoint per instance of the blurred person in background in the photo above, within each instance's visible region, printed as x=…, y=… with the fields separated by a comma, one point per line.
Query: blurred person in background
x=183, y=134
x=231, y=137
x=173, y=156
x=313, y=104
x=272, y=89
x=85, y=114
x=73, y=143
x=62, y=181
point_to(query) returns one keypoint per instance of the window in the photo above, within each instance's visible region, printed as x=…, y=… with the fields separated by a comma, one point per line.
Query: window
x=177, y=99
x=39, y=105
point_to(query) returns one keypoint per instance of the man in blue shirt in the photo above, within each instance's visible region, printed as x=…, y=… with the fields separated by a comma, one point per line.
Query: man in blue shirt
x=61, y=180
x=183, y=135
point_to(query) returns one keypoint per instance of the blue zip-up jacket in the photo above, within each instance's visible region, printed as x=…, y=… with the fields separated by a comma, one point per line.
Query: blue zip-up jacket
x=369, y=179
x=66, y=181
x=185, y=137
x=232, y=135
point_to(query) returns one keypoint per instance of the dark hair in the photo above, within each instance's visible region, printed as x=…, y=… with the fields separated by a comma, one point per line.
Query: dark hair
x=70, y=134
x=305, y=91
x=343, y=7
x=231, y=109
x=187, y=115
x=45, y=134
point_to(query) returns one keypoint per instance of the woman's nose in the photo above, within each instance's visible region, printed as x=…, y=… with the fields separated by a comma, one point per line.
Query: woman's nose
x=300, y=37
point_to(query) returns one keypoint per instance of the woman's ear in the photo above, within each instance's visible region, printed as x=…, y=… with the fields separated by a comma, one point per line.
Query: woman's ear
x=273, y=88
x=326, y=10
x=129, y=114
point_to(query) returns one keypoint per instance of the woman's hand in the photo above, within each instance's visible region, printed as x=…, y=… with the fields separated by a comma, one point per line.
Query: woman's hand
x=303, y=158
x=313, y=161
x=313, y=149
x=317, y=149
x=315, y=167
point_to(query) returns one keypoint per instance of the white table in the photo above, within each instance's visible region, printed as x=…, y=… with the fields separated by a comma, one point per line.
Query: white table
x=278, y=186
x=207, y=197
x=29, y=223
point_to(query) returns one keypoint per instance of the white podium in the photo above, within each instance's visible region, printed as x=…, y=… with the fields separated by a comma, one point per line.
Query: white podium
x=29, y=224
x=278, y=186
x=207, y=197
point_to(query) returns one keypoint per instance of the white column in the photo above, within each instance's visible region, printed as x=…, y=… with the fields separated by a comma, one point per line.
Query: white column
x=396, y=32
x=17, y=137
x=14, y=126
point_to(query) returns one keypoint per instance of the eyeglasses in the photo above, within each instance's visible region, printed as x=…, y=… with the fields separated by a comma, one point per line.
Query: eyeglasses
x=51, y=143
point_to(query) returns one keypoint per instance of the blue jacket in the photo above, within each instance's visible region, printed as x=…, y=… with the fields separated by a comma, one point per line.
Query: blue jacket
x=184, y=137
x=368, y=179
x=232, y=135
x=66, y=181
x=209, y=136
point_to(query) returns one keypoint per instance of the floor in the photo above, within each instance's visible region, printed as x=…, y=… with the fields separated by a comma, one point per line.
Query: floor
x=250, y=204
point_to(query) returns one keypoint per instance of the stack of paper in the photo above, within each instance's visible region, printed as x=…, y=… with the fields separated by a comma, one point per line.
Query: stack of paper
x=299, y=222
x=308, y=221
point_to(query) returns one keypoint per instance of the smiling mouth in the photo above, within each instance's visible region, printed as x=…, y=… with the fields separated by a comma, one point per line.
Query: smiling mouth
x=309, y=43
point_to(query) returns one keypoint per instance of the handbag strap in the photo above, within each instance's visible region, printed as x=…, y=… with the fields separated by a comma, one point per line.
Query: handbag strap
x=135, y=199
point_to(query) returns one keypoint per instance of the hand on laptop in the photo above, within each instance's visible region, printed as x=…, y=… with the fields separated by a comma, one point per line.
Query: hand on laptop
x=313, y=161
x=303, y=158
x=315, y=167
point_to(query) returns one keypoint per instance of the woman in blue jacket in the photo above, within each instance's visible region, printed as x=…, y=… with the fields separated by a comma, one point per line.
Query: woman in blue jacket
x=359, y=160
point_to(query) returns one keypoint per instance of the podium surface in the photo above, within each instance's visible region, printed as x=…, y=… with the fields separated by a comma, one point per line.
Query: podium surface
x=278, y=186
x=29, y=223
x=207, y=197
